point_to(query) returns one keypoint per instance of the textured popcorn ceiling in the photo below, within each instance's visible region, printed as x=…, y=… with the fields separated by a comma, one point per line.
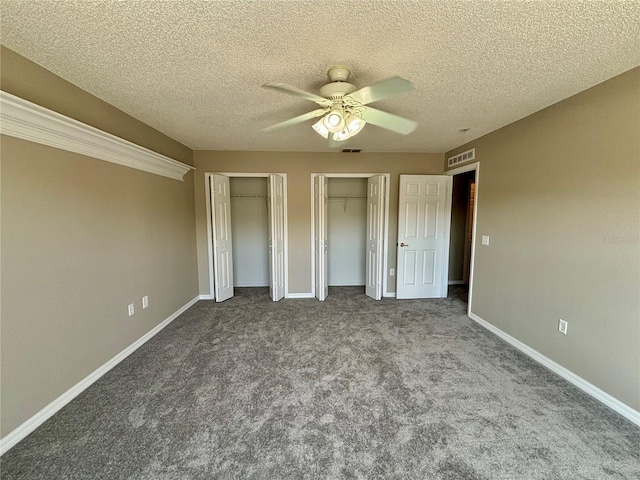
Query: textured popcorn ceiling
x=193, y=69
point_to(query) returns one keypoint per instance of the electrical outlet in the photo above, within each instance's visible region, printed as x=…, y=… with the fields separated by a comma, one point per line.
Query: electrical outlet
x=563, y=326
x=131, y=309
x=392, y=272
x=485, y=239
x=145, y=301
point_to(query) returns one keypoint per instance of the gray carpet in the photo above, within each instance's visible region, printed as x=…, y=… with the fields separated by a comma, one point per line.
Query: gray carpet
x=349, y=388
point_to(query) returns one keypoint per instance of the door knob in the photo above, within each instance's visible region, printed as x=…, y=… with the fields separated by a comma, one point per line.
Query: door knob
x=402, y=244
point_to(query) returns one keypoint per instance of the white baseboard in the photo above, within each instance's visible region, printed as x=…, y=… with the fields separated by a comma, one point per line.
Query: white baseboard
x=600, y=395
x=299, y=295
x=206, y=297
x=389, y=294
x=47, y=412
x=456, y=282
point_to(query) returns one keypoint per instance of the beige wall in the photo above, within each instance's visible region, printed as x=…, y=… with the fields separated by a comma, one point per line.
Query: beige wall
x=559, y=195
x=299, y=167
x=82, y=238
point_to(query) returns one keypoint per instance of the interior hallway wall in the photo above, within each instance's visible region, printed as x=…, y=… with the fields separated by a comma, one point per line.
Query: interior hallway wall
x=559, y=196
x=299, y=166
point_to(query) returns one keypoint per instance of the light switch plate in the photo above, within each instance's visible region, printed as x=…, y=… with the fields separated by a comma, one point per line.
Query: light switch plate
x=485, y=239
x=563, y=326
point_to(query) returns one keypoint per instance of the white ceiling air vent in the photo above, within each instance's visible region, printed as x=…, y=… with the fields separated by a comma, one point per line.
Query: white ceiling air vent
x=462, y=157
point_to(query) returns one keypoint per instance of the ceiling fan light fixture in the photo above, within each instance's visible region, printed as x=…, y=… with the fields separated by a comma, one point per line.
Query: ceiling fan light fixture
x=334, y=120
x=342, y=135
x=320, y=128
x=354, y=124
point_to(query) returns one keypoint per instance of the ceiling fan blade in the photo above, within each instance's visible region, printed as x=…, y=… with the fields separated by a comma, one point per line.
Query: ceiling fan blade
x=283, y=87
x=378, y=91
x=295, y=120
x=387, y=120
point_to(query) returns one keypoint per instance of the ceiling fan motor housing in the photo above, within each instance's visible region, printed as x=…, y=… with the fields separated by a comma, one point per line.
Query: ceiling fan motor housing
x=336, y=90
x=338, y=87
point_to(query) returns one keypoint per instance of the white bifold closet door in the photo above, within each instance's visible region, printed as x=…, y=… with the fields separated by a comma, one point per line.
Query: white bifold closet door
x=276, y=237
x=320, y=187
x=375, y=232
x=222, y=239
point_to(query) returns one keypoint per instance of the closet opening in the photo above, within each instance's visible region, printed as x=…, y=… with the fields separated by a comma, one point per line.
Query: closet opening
x=346, y=232
x=247, y=224
x=250, y=231
x=350, y=218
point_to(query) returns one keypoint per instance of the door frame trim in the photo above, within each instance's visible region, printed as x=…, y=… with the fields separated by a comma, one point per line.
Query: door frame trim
x=210, y=227
x=385, y=244
x=471, y=167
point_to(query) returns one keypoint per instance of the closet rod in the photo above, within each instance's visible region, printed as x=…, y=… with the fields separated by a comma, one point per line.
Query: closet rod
x=346, y=199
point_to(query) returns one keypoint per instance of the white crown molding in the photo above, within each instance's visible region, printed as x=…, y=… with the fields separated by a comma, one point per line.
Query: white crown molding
x=8, y=441
x=23, y=119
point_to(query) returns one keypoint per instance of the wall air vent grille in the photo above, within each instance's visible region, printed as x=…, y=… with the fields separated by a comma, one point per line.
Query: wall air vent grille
x=462, y=157
x=351, y=150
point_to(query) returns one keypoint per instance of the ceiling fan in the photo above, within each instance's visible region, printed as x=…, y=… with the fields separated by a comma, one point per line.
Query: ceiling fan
x=344, y=108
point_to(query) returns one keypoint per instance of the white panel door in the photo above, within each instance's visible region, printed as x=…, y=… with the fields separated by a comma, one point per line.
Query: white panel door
x=375, y=232
x=276, y=237
x=221, y=231
x=320, y=186
x=422, y=228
